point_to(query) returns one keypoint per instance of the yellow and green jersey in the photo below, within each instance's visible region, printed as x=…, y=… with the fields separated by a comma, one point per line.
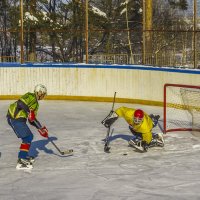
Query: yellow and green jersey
x=29, y=100
x=144, y=127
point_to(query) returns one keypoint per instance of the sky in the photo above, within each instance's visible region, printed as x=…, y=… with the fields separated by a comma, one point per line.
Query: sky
x=172, y=172
x=191, y=6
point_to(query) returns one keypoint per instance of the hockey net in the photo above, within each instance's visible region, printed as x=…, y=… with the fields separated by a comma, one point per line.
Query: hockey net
x=181, y=108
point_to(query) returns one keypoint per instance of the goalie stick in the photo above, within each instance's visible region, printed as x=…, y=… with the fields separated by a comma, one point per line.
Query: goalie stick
x=159, y=125
x=107, y=141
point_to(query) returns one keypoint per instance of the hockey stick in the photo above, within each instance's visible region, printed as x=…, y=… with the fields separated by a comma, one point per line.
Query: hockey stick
x=107, y=141
x=111, y=112
x=159, y=125
x=69, y=151
x=106, y=145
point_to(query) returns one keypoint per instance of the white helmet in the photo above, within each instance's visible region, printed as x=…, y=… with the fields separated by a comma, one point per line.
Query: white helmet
x=40, y=91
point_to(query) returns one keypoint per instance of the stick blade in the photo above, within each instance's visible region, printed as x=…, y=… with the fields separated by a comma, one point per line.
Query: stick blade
x=69, y=151
x=106, y=149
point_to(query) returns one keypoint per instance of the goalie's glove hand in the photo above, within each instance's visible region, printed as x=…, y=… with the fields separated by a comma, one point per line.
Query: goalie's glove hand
x=43, y=132
x=155, y=119
x=31, y=116
x=110, y=119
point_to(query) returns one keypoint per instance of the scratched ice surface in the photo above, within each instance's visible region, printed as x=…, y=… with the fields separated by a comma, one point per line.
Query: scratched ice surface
x=171, y=173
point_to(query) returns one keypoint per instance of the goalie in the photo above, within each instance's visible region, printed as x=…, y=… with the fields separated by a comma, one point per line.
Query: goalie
x=140, y=125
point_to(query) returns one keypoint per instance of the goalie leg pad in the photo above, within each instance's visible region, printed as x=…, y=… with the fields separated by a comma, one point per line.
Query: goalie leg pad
x=158, y=140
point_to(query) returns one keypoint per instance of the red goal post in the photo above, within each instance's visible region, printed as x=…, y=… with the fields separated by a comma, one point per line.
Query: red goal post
x=181, y=108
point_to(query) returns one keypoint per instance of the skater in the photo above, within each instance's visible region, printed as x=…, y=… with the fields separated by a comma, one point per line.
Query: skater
x=18, y=113
x=140, y=125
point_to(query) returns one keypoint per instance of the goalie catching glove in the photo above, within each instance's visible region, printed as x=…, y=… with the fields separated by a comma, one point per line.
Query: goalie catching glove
x=110, y=119
x=43, y=132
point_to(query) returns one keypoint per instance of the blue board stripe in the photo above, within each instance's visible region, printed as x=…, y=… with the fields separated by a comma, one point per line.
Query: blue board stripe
x=103, y=66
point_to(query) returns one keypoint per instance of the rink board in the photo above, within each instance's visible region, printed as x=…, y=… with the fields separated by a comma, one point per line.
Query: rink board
x=133, y=83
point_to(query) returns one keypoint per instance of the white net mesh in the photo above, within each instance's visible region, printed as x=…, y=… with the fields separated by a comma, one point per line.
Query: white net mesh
x=183, y=108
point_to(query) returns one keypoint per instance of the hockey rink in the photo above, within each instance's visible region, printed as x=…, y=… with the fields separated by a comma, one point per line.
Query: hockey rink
x=169, y=173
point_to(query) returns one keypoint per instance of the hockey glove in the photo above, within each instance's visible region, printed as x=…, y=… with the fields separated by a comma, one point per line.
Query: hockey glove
x=155, y=119
x=43, y=132
x=31, y=116
x=110, y=120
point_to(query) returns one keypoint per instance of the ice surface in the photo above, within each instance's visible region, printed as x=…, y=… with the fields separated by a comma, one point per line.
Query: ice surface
x=171, y=173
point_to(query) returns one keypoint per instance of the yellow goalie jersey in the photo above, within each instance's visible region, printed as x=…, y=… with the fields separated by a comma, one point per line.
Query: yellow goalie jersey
x=144, y=127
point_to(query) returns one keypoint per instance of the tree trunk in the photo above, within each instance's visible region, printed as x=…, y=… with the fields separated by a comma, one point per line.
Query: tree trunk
x=32, y=41
x=148, y=27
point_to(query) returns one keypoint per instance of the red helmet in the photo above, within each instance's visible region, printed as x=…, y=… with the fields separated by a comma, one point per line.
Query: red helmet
x=138, y=116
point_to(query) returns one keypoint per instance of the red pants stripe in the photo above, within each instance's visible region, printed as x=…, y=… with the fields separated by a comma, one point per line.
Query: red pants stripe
x=25, y=147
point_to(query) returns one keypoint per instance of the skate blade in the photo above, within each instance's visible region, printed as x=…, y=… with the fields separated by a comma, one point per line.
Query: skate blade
x=24, y=168
x=138, y=149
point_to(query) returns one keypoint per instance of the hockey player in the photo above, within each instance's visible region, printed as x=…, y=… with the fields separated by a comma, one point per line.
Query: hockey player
x=18, y=113
x=140, y=124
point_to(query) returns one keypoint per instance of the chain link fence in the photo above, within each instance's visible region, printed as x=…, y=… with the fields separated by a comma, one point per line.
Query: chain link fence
x=119, y=32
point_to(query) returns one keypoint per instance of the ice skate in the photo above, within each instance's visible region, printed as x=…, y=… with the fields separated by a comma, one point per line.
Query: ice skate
x=136, y=144
x=31, y=159
x=24, y=164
